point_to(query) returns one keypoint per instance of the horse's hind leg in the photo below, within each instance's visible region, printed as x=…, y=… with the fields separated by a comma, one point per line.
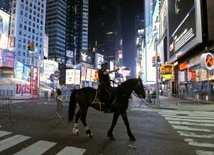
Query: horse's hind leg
x=87, y=129
x=125, y=119
x=75, y=128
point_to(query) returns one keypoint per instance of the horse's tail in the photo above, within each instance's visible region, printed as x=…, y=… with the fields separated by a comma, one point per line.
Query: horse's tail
x=72, y=106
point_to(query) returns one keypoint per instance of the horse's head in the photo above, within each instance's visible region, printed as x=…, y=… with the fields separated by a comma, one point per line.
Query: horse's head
x=139, y=88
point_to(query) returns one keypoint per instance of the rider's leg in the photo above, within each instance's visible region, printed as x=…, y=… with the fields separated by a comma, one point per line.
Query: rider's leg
x=108, y=98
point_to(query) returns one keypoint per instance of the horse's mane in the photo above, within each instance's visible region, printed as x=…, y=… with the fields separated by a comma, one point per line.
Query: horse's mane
x=129, y=83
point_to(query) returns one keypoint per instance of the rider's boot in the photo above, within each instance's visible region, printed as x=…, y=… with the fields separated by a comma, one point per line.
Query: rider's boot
x=107, y=108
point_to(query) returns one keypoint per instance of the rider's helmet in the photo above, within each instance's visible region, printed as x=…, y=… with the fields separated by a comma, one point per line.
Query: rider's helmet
x=104, y=63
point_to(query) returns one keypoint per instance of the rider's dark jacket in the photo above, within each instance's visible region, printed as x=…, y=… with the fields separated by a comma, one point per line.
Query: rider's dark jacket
x=104, y=78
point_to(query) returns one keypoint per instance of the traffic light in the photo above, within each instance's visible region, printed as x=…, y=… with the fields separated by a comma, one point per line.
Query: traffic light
x=153, y=59
x=30, y=46
x=158, y=58
x=30, y=73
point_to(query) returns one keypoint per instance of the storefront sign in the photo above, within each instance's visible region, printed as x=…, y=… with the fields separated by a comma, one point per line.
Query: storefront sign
x=183, y=66
x=207, y=61
x=8, y=71
x=167, y=71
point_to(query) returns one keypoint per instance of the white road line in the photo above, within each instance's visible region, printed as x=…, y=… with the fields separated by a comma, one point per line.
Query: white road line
x=194, y=143
x=188, y=120
x=71, y=150
x=192, y=117
x=177, y=127
x=4, y=133
x=190, y=113
x=37, y=148
x=191, y=124
x=202, y=152
x=191, y=134
x=14, y=140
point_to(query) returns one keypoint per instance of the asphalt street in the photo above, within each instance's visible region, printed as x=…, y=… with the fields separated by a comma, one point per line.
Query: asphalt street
x=37, y=129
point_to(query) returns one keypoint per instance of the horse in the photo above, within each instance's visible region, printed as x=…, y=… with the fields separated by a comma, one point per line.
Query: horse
x=84, y=98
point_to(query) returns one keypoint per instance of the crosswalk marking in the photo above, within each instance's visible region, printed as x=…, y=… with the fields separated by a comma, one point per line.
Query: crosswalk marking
x=202, y=152
x=191, y=117
x=71, y=150
x=191, y=134
x=180, y=127
x=196, y=127
x=14, y=140
x=191, y=124
x=194, y=143
x=37, y=148
x=4, y=133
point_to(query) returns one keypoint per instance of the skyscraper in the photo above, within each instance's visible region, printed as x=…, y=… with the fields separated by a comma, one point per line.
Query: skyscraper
x=4, y=5
x=27, y=24
x=55, y=28
x=105, y=27
x=76, y=28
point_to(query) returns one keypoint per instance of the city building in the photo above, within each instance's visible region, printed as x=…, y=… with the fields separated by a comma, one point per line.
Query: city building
x=7, y=57
x=105, y=35
x=77, y=59
x=184, y=44
x=26, y=37
x=4, y=5
x=140, y=41
x=55, y=28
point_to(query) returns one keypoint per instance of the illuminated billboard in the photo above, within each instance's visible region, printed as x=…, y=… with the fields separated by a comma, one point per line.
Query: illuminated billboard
x=184, y=26
x=7, y=58
x=99, y=58
x=72, y=76
x=4, y=28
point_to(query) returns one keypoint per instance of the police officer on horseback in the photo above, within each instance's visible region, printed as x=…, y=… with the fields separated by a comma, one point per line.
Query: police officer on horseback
x=105, y=84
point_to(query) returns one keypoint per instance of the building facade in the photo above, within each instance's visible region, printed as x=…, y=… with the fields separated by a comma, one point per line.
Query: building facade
x=185, y=46
x=26, y=40
x=55, y=28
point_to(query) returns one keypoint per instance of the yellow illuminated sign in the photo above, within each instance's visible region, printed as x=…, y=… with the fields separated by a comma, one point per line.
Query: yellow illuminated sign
x=167, y=71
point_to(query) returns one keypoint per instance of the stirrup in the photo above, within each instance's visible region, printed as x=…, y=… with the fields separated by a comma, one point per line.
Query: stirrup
x=97, y=100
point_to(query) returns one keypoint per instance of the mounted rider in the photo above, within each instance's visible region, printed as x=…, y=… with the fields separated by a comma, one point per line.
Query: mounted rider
x=105, y=84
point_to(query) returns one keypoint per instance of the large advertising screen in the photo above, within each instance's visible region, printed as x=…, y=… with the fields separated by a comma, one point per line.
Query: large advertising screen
x=184, y=26
x=7, y=58
x=4, y=28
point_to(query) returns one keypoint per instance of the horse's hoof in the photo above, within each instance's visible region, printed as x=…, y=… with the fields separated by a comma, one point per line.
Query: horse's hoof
x=90, y=135
x=132, y=138
x=111, y=137
x=75, y=131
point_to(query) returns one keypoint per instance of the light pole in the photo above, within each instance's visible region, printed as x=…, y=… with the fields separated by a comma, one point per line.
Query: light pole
x=156, y=66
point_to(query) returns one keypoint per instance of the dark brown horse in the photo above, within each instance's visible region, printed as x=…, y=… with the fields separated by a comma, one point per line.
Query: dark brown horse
x=85, y=97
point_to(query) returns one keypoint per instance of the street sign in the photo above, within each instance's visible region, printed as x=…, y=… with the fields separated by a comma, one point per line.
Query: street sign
x=57, y=74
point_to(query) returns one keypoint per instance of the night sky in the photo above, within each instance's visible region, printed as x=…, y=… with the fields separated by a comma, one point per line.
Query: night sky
x=129, y=9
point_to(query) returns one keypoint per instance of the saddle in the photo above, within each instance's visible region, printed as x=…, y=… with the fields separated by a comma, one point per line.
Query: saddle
x=98, y=95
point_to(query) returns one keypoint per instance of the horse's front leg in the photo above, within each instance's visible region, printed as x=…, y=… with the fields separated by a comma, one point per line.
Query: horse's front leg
x=125, y=119
x=114, y=121
x=75, y=128
x=87, y=129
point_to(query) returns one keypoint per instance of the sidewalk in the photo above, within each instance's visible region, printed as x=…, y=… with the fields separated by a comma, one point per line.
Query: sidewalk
x=174, y=104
